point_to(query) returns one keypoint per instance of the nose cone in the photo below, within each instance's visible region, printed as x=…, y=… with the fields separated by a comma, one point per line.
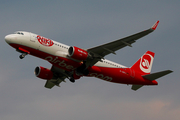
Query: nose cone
x=9, y=38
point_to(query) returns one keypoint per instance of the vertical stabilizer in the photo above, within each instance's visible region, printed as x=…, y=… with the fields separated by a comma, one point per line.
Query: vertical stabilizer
x=144, y=64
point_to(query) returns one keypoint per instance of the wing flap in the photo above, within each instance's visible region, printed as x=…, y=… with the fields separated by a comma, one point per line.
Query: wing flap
x=49, y=84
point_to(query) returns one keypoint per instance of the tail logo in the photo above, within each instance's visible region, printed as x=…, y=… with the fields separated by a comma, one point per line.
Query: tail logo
x=146, y=63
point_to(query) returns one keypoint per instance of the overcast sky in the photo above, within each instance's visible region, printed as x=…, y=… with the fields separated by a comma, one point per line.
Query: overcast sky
x=86, y=24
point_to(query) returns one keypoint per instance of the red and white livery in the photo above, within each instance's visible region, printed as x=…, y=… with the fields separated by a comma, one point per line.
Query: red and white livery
x=72, y=62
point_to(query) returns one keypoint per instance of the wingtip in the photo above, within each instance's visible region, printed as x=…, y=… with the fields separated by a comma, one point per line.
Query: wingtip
x=155, y=25
x=170, y=71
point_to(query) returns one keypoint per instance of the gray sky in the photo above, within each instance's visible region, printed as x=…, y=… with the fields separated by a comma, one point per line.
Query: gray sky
x=86, y=24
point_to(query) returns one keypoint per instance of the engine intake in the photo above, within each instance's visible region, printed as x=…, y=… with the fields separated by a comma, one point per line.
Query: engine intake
x=43, y=73
x=77, y=53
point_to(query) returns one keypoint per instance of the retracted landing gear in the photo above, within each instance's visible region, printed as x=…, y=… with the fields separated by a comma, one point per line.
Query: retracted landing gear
x=72, y=80
x=22, y=55
x=70, y=76
x=82, y=70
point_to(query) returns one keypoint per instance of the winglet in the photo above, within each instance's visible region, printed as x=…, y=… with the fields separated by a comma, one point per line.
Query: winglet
x=155, y=25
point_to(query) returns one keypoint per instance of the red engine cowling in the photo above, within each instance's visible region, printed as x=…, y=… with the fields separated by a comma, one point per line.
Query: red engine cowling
x=43, y=73
x=77, y=53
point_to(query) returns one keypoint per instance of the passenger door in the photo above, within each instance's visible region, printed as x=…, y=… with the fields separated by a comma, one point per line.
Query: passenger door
x=33, y=41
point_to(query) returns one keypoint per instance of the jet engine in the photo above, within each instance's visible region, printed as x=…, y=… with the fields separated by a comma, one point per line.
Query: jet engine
x=77, y=53
x=43, y=73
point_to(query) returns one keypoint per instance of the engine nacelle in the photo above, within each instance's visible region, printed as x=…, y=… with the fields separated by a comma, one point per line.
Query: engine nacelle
x=43, y=73
x=77, y=53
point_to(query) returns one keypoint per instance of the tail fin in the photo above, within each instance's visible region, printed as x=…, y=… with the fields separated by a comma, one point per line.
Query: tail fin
x=144, y=64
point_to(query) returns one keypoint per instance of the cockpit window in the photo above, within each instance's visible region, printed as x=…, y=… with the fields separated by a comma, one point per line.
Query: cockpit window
x=20, y=33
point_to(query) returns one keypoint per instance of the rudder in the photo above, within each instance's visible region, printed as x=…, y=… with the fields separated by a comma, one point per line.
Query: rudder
x=144, y=64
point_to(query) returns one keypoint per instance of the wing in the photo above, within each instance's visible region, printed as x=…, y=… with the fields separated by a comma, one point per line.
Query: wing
x=61, y=75
x=100, y=51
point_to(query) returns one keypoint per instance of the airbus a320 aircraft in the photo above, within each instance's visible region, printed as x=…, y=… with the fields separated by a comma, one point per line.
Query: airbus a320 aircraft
x=72, y=62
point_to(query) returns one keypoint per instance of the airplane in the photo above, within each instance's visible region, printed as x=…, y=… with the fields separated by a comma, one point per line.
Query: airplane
x=71, y=62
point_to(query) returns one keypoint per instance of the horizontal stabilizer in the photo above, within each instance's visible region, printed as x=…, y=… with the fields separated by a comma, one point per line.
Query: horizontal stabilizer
x=136, y=87
x=157, y=75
